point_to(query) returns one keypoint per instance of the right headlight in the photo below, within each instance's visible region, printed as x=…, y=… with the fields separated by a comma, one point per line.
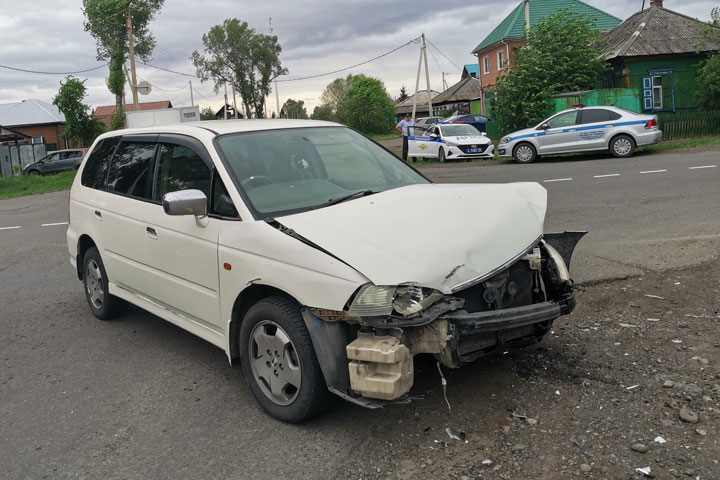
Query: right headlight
x=504, y=140
x=562, y=269
x=406, y=300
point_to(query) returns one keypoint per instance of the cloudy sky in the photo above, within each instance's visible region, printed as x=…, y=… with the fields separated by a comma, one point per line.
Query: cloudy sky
x=316, y=37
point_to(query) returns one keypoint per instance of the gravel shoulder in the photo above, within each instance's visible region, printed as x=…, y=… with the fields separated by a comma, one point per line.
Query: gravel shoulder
x=599, y=394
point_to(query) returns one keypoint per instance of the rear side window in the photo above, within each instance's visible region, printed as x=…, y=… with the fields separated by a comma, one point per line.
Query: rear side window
x=131, y=169
x=180, y=168
x=598, y=115
x=95, y=171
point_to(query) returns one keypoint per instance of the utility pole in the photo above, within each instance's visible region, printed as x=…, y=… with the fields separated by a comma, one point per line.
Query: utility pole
x=232, y=86
x=277, y=96
x=427, y=76
x=192, y=102
x=417, y=85
x=129, y=28
x=226, y=100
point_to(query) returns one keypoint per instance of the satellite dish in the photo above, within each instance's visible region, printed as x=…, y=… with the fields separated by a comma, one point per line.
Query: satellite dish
x=144, y=87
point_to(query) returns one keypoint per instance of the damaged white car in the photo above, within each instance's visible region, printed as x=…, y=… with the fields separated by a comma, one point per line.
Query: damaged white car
x=312, y=256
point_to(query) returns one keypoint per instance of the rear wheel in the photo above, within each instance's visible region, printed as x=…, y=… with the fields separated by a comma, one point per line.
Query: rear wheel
x=525, y=153
x=441, y=155
x=103, y=305
x=622, y=146
x=279, y=361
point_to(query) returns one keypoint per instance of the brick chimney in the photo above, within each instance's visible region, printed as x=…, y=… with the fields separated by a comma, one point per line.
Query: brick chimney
x=656, y=3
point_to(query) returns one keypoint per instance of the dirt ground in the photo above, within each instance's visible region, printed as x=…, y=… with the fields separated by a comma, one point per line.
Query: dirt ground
x=600, y=397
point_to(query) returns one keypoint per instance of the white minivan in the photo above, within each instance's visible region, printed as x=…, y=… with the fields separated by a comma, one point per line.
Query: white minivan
x=312, y=256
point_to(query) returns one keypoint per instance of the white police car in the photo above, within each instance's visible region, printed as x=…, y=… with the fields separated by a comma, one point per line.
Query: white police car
x=583, y=129
x=450, y=142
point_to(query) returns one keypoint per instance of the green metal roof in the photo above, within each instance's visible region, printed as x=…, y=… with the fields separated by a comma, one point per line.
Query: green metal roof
x=513, y=26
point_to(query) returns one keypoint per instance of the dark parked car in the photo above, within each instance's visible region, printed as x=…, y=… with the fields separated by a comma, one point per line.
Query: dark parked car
x=56, y=161
x=477, y=121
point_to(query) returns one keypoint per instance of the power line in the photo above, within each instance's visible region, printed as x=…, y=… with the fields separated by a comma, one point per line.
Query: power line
x=53, y=73
x=441, y=53
x=351, y=67
x=168, y=70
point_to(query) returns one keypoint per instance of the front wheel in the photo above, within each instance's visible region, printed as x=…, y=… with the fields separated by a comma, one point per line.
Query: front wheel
x=622, y=146
x=441, y=155
x=33, y=172
x=103, y=305
x=525, y=153
x=280, y=363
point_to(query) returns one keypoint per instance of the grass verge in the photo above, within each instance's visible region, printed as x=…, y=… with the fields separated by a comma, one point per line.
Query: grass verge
x=681, y=143
x=11, y=187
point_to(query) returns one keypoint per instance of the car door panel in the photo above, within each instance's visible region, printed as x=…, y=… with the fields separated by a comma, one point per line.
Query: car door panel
x=561, y=136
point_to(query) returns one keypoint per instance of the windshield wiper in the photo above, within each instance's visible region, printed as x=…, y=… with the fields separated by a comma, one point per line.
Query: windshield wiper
x=334, y=201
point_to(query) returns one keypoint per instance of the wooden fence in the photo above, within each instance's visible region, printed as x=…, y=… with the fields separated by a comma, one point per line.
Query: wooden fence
x=689, y=124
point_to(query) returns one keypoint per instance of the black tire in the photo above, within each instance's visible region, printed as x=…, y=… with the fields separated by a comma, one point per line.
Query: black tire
x=95, y=283
x=270, y=322
x=525, y=153
x=441, y=154
x=34, y=172
x=622, y=146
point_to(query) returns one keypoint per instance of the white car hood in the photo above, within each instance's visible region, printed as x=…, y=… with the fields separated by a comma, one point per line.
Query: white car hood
x=433, y=235
x=468, y=140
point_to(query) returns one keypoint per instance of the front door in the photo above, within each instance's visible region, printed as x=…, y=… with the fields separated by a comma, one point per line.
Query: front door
x=181, y=252
x=424, y=146
x=561, y=134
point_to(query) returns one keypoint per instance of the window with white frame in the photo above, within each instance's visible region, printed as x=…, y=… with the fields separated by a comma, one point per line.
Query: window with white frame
x=486, y=64
x=657, y=92
x=500, y=59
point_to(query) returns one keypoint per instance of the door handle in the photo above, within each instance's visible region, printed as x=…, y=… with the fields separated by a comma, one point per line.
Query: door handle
x=98, y=215
x=151, y=232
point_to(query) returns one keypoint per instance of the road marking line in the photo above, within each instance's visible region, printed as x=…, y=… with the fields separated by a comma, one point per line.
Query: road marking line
x=9, y=228
x=654, y=171
x=558, y=180
x=704, y=166
x=609, y=175
x=53, y=224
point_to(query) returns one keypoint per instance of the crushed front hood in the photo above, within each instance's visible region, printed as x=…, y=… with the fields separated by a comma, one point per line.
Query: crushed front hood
x=434, y=235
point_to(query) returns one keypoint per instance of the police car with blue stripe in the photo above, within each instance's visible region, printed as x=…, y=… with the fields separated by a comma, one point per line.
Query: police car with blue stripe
x=450, y=142
x=583, y=129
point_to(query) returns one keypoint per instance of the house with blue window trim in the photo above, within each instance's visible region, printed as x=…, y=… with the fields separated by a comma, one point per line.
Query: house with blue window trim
x=657, y=53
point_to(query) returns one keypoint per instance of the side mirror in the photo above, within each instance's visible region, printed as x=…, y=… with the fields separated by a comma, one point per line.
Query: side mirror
x=185, y=202
x=434, y=135
x=544, y=126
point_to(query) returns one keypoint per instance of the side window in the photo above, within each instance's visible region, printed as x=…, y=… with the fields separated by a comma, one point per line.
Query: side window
x=179, y=168
x=598, y=115
x=52, y=158
x=220, y=203
x=131, y=169
x=95, y=171
x=564, y=120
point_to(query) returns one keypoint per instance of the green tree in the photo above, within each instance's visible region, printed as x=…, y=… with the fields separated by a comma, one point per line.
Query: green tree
x=367, y=106
x=207, y=113
x=323, y=112
x=105, y=21
x=333, y=96
x=403, y=95
x=560, y=54
x=81, y=126
x=234, y=52
x=708, y=82
x=294, y=109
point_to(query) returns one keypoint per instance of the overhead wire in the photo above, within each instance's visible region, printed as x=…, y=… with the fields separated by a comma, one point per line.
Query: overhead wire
x=52, y=73
x=441, y=53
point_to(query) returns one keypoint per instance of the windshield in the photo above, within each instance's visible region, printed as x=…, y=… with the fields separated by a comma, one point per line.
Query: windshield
x=292, y=170
x=459, y=129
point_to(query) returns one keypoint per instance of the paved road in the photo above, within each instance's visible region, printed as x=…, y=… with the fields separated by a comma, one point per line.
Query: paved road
x=140, y=398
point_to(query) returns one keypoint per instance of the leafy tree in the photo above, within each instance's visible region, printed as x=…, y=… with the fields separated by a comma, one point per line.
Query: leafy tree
x=294, y=109
x=117, y=120
x=367, y=106
x=207, y=113
x=403, y=95
x=334, y=95
x=560, y=54
x=105, y=21
x=81, y=126
x=323, y=112
x=234, y=52
x=708, y=83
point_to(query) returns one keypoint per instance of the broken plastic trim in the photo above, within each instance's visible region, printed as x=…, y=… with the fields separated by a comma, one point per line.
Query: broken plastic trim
x=445, y=305
x=564, y=243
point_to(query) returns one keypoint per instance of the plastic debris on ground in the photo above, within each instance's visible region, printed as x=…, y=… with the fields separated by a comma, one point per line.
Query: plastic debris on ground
x=660, y=439
x=455, y=435
x=655, y=296
x=644, y=470
x=487, y=462
x=631, y=387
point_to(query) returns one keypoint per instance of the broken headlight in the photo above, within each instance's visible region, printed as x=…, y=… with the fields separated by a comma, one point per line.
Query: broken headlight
x=406, y=300
x=562, y=269
x=410, y=299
